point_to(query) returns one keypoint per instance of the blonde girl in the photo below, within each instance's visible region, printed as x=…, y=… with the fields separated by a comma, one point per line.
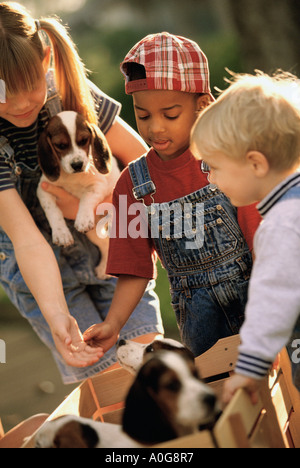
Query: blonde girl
x=54, y=288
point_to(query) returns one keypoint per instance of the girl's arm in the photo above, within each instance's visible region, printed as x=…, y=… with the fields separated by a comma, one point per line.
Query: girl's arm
x=129, y=291
x=40, y=271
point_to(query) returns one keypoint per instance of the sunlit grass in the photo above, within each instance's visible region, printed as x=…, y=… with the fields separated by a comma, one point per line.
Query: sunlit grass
x=163, y=292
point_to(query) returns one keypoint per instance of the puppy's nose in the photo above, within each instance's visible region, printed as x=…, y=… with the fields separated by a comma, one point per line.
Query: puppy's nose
x=121, y=343
x=210, y=400
x=77, y=166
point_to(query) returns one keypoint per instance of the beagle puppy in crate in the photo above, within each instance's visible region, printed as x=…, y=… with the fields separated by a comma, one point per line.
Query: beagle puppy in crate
x=74, y=154
x=131, y=354
x=167, y=400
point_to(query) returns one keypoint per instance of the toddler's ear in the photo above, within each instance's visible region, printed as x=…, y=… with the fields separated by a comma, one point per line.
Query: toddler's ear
x=258, y=162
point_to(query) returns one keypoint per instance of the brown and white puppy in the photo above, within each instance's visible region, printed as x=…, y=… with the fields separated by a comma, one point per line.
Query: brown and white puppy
x=74, y=154
x=131, y=354
x=167, y=400
x=76, y=432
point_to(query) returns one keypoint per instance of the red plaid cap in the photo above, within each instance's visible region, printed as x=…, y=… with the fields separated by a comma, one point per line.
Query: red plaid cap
x=171, y=63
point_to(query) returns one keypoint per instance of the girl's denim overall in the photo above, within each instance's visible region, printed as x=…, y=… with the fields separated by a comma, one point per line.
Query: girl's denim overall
x=88, y=298
x=208, y=282
x=294, y=342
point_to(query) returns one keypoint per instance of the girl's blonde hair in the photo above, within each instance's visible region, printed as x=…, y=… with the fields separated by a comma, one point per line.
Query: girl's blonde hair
x=256, y=112
x=22, y=51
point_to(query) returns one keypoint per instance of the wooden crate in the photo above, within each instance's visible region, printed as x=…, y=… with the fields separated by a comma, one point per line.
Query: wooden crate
x=274, y=422
x=218, y=362
x=1, y=430
x=101, y=398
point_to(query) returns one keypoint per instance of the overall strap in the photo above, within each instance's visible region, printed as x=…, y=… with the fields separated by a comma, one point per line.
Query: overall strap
x=141, y=179
x=53, y=103
x=6, y=150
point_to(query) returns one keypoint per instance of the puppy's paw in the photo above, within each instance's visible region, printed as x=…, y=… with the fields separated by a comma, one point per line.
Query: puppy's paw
x=62, y=237
x=100, y=271
x=84, y=223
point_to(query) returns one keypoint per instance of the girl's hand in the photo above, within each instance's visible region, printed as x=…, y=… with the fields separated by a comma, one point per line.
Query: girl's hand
x=70, y=344
x=67, y=203
x=101, y=335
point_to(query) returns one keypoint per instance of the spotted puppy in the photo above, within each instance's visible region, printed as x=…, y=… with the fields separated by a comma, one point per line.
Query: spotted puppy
x=76, y=432
x=74, y=154
x=132, y=354
x=167, y=400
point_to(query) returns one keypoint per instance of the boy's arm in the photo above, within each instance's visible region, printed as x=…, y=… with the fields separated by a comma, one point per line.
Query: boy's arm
x=273, y=299
x=272, y=309
x=40, y=271
x=129, y=291
x=237, y=381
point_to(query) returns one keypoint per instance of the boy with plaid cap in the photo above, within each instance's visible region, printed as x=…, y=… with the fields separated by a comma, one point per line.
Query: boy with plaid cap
x=168, y=77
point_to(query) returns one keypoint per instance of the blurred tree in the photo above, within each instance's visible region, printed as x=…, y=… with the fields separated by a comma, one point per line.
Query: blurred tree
x=268, y=33
x=105, y=30
x=265, y=31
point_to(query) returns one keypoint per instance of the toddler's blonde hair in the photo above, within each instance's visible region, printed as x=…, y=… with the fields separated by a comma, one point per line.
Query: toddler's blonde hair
x=22, y=50
x=256, y=112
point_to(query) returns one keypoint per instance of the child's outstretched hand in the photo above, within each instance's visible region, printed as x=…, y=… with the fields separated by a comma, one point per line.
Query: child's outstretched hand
x=70, y=344
x=101, y=335
x=240, y=381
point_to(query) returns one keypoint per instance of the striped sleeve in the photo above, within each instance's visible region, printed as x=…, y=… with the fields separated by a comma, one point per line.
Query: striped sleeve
x=107, y=108
x=5, y=176
x=251, y=366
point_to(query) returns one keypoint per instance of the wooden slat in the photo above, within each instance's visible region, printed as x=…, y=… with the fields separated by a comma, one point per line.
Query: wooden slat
x=219, y=359
x=238, y=430
x=112, y=387
x=249, y=415
x=281, y=401
x=278, y=439
x=294, y=420
x=1, y=430
x=201, y=439
x=99, y=392
x=260, y=437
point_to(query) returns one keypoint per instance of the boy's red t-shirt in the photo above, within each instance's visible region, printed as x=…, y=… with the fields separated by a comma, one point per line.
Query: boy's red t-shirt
x=173, y=179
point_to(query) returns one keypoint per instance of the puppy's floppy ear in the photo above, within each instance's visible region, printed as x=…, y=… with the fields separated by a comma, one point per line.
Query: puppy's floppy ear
x=47, y=157
x=75, y=435
x=100, y=150
x=143, y=419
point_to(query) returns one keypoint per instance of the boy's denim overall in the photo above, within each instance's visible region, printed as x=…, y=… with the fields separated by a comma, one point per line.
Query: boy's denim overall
x=208, y=282
x=291, y=348
x=88, y=298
